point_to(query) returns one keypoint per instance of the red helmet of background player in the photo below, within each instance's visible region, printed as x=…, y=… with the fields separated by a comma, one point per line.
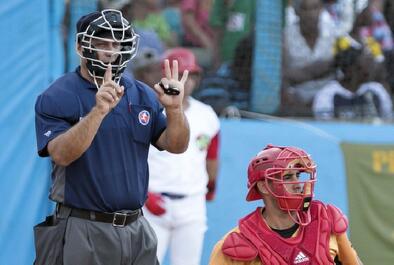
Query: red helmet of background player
x=186, y=59
x=272, y=165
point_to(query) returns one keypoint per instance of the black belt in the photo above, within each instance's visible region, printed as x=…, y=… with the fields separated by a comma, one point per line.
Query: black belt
x=173, y=196
x=118, y=219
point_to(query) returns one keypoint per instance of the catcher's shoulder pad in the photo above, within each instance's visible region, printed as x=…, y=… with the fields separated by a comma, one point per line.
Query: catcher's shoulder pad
x=339, y=221
x=239, y=248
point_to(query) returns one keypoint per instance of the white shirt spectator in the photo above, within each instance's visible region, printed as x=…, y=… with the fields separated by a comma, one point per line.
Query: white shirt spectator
x=324, y=107
x=299, y=54
x=342, y=13
x=185, y=173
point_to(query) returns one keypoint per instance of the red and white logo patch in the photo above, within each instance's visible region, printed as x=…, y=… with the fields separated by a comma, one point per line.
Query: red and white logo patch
x=144, y=117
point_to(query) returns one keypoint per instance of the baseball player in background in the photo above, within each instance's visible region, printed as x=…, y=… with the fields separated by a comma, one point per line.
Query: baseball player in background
x=180, y=184
x=291, y=228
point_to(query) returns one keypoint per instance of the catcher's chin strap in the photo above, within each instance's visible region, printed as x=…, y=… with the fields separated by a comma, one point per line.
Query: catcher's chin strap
x=303, y=218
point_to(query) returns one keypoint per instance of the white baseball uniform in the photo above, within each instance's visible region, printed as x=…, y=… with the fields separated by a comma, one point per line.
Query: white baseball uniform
x=183, y=225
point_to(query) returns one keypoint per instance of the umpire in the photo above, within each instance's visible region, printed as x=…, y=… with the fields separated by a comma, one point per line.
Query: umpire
x=96, y=125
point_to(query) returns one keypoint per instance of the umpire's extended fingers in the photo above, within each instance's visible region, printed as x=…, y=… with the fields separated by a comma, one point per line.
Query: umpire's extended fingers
x=114, y=85
x=167, y=69
x=175, y=69
x=108, y=74
x=184, y=77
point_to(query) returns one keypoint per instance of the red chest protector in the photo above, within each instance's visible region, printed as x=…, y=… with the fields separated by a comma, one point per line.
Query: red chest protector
x=309, y=247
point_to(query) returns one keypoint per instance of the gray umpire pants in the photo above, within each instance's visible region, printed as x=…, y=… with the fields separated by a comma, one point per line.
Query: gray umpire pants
x=76, y=241
x=98, y=243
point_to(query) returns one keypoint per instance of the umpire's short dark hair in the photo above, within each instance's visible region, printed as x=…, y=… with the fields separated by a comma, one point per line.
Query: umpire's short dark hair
x=85, y=20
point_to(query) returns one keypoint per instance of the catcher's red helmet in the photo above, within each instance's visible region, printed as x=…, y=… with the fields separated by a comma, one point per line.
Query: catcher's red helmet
x=273, y=165
x=186, y=59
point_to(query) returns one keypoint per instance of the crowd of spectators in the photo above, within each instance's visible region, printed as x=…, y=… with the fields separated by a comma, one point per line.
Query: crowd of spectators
x=337, y=60
x=337, y=55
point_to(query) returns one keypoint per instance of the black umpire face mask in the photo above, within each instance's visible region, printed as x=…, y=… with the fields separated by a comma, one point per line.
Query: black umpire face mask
x=110, y=27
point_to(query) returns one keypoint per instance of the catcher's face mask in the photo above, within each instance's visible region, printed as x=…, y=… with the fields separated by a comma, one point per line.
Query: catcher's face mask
x=110, y=27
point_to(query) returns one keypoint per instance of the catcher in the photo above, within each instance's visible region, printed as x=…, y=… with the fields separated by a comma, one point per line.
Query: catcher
x=291, y=228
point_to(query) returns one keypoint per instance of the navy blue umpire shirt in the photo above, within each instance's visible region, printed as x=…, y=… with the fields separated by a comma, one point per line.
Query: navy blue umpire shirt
x=112, y=174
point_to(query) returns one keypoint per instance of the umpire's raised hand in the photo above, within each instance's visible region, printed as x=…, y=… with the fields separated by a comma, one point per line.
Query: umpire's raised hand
x=109, y=93
x=171, y=80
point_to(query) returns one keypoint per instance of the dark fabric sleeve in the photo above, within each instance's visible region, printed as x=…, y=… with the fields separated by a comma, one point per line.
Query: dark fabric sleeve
x=51, y=119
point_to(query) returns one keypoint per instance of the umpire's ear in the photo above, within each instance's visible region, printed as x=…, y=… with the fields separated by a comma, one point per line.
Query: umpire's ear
x=78, y=47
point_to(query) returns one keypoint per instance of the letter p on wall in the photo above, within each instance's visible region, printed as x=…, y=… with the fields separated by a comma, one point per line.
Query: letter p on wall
x=383, y=160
